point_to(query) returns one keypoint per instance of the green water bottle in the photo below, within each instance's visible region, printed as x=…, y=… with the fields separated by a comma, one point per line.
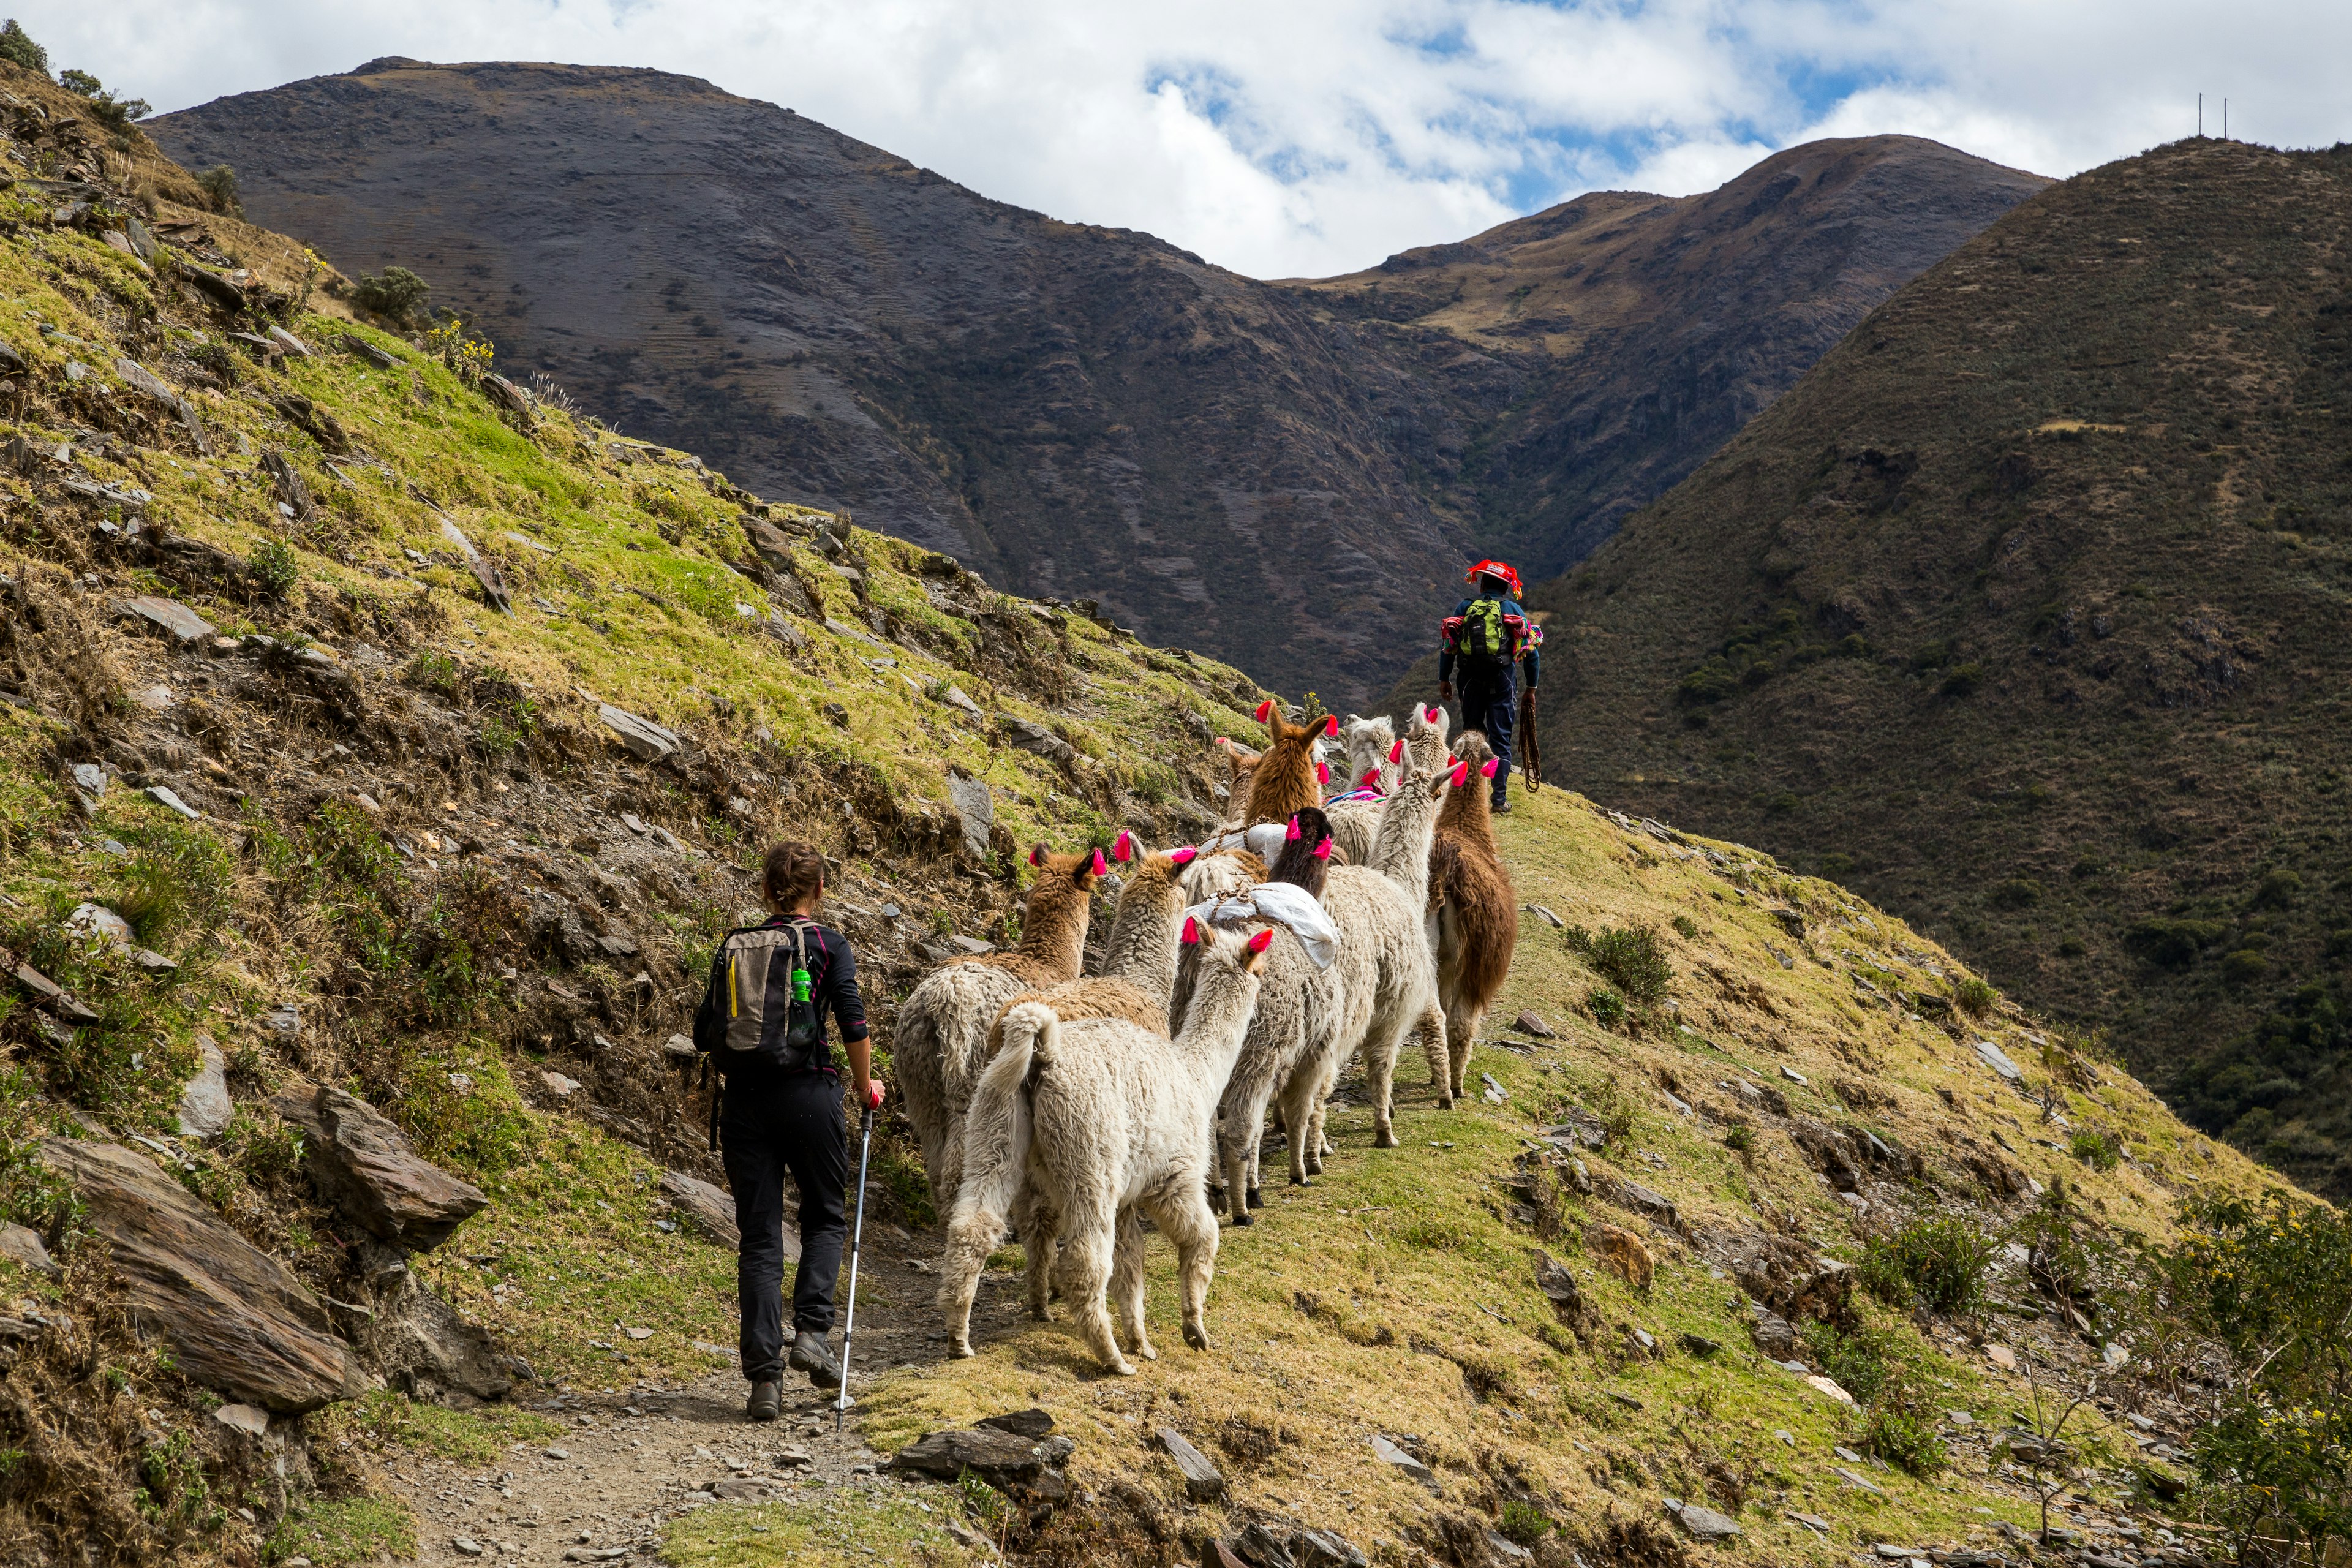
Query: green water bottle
x=800, y=985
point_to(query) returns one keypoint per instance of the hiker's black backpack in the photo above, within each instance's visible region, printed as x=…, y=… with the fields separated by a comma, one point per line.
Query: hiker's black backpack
x=750, y=1012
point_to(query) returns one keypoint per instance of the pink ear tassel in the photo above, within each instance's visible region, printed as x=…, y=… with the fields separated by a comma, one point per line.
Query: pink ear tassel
x=1371, y=775
x=1184, y=857
x=1322, y=772
x=1323, y=850
x=1293, y=828
x=1191, y=932
x=1100, y=866
x=1122, y=848
x=1396, y=751
x=1461, y=774
x=1330, y=723
x=1487, y=771
x=1264, y=709
x=1259, y=943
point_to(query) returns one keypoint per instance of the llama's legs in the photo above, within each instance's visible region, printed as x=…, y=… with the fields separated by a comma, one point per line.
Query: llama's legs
x=1088, y=1242
x=1194, y=1228
x=1380, y=1050
x=1299, y=1100
x=1443, y=1077
x=1237, y=1155
x=1035, y=1219
x=1459, y=1031
x=1317, y=1144
x=1127, y=1282
x=959, y=1268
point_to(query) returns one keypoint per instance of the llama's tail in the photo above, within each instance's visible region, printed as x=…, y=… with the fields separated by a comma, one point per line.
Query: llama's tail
x=997, y=1129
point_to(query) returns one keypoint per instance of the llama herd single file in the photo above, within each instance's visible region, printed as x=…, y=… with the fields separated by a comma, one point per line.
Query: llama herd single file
x=1241, y=975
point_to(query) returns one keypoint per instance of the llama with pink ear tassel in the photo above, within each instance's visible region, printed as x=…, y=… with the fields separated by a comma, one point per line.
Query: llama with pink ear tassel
x=1473, y=918
x=941, y=1043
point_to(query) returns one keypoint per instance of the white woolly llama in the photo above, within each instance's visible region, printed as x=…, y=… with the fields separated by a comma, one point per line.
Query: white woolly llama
x=1389, y=975
x=940, y=1042
x=1106, y=1119
x=1374, y=751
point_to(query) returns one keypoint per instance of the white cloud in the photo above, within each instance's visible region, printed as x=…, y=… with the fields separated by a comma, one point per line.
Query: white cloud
x=1319, y=135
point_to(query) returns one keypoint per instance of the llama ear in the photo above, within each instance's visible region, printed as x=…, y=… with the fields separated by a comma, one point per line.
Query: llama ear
x=1184, y=857
x=1264, y=709
x=1036, y=855
x=1487, y=771
x=1330, y=723
x=1293, y=832
x=1095, y=868
x=1431, y=715
x=1322, y=772
x=1323, y=850
x=1191, y=932
x=1396, y=751
x=1122, y=848
x=1262, y=940
x=1461, y=774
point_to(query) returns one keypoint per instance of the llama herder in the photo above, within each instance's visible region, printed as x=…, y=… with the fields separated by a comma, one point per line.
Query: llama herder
x=1474, y=918
x=1107, y=1118
x=941, y=1043
x=1389, y=979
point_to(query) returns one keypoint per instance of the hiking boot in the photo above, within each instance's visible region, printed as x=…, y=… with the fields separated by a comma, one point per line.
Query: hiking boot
x=812, y=1355
x=1502, y=806
x=767, y=1403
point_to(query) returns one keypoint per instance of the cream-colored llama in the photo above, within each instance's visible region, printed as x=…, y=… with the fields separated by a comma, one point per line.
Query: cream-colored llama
x=1107, y=1118
x=941, y=1039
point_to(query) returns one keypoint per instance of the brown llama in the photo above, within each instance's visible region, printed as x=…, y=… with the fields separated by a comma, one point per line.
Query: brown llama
x=1474, y=920
x=939, y=1048
x=1288, y=778
x=1242, y=764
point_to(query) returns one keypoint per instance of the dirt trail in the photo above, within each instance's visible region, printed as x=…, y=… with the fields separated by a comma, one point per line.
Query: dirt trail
x=631, y=1462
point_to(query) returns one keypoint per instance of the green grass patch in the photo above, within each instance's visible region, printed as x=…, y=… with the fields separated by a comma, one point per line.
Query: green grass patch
x=822, y=1528
x=355, y=1529
x=386, y=1418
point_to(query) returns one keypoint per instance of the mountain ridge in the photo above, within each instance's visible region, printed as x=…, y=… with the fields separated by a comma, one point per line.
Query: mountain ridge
x=1260, y=469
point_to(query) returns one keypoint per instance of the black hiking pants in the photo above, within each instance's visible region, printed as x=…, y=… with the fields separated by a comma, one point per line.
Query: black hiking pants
x=790, y=1124
x=1490, y=704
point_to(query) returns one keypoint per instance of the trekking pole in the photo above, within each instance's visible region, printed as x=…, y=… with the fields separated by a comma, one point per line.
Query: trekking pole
x=856, y=1241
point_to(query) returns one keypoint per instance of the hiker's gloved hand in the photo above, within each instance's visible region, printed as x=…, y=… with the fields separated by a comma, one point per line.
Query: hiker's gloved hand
x=869, y=1094
x=1445, y=691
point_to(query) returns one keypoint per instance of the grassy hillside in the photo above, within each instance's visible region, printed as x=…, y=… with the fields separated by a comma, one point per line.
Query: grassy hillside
x=424, y=867
x=2019, y=612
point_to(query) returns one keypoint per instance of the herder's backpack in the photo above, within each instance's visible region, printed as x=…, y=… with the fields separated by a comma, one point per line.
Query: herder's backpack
x=754, y=1010
x=1483, y=636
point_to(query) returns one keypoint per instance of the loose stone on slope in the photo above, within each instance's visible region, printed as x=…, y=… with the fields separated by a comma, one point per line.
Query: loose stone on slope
x=1202, y=1480
x=647, y=740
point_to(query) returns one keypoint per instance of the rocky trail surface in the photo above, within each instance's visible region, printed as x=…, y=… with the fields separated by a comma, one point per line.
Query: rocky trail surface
x=629, y=1463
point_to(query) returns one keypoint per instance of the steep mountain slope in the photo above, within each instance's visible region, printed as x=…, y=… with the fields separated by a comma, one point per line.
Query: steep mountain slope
x=1280, y=475
x=293, y=803
x=1660, y=325
x=2024, y=606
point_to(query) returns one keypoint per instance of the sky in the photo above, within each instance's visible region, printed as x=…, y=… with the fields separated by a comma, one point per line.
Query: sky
x=1318, y=136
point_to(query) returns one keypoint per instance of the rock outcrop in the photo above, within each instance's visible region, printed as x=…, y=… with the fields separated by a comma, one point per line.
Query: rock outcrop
x=236, y=1320
x=364, y=1165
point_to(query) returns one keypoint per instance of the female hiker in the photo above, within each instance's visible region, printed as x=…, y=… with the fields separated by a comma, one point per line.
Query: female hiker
x=762, y=1022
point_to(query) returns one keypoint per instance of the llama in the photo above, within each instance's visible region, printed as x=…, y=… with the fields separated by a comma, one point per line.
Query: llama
x=1474, y=918
x=1242, y=764
x=1389, y=982
x=1298, y=1006
x=1354, y=822
x=1107, y=1118
x=1138, y=974
x=941, y=1043
x=1287, y=777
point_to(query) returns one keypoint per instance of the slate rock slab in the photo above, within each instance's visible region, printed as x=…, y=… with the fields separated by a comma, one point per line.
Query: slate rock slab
x=708, y=1210
x=1703, y=1522
x=366, y=1166
x=182, y=623
x=975, y=811
x=204, y=1108
x=1003, y=1461
x=236, y=1320
x=1388, y=1451
x=1031, y=1424
x=1202, y=1480
x=1993, y=1056
x=1321, y=1549
x=647, y=740
x=24, y=1248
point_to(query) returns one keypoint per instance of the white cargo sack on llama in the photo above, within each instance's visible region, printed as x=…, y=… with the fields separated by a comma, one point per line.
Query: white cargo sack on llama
x=1286, y=904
